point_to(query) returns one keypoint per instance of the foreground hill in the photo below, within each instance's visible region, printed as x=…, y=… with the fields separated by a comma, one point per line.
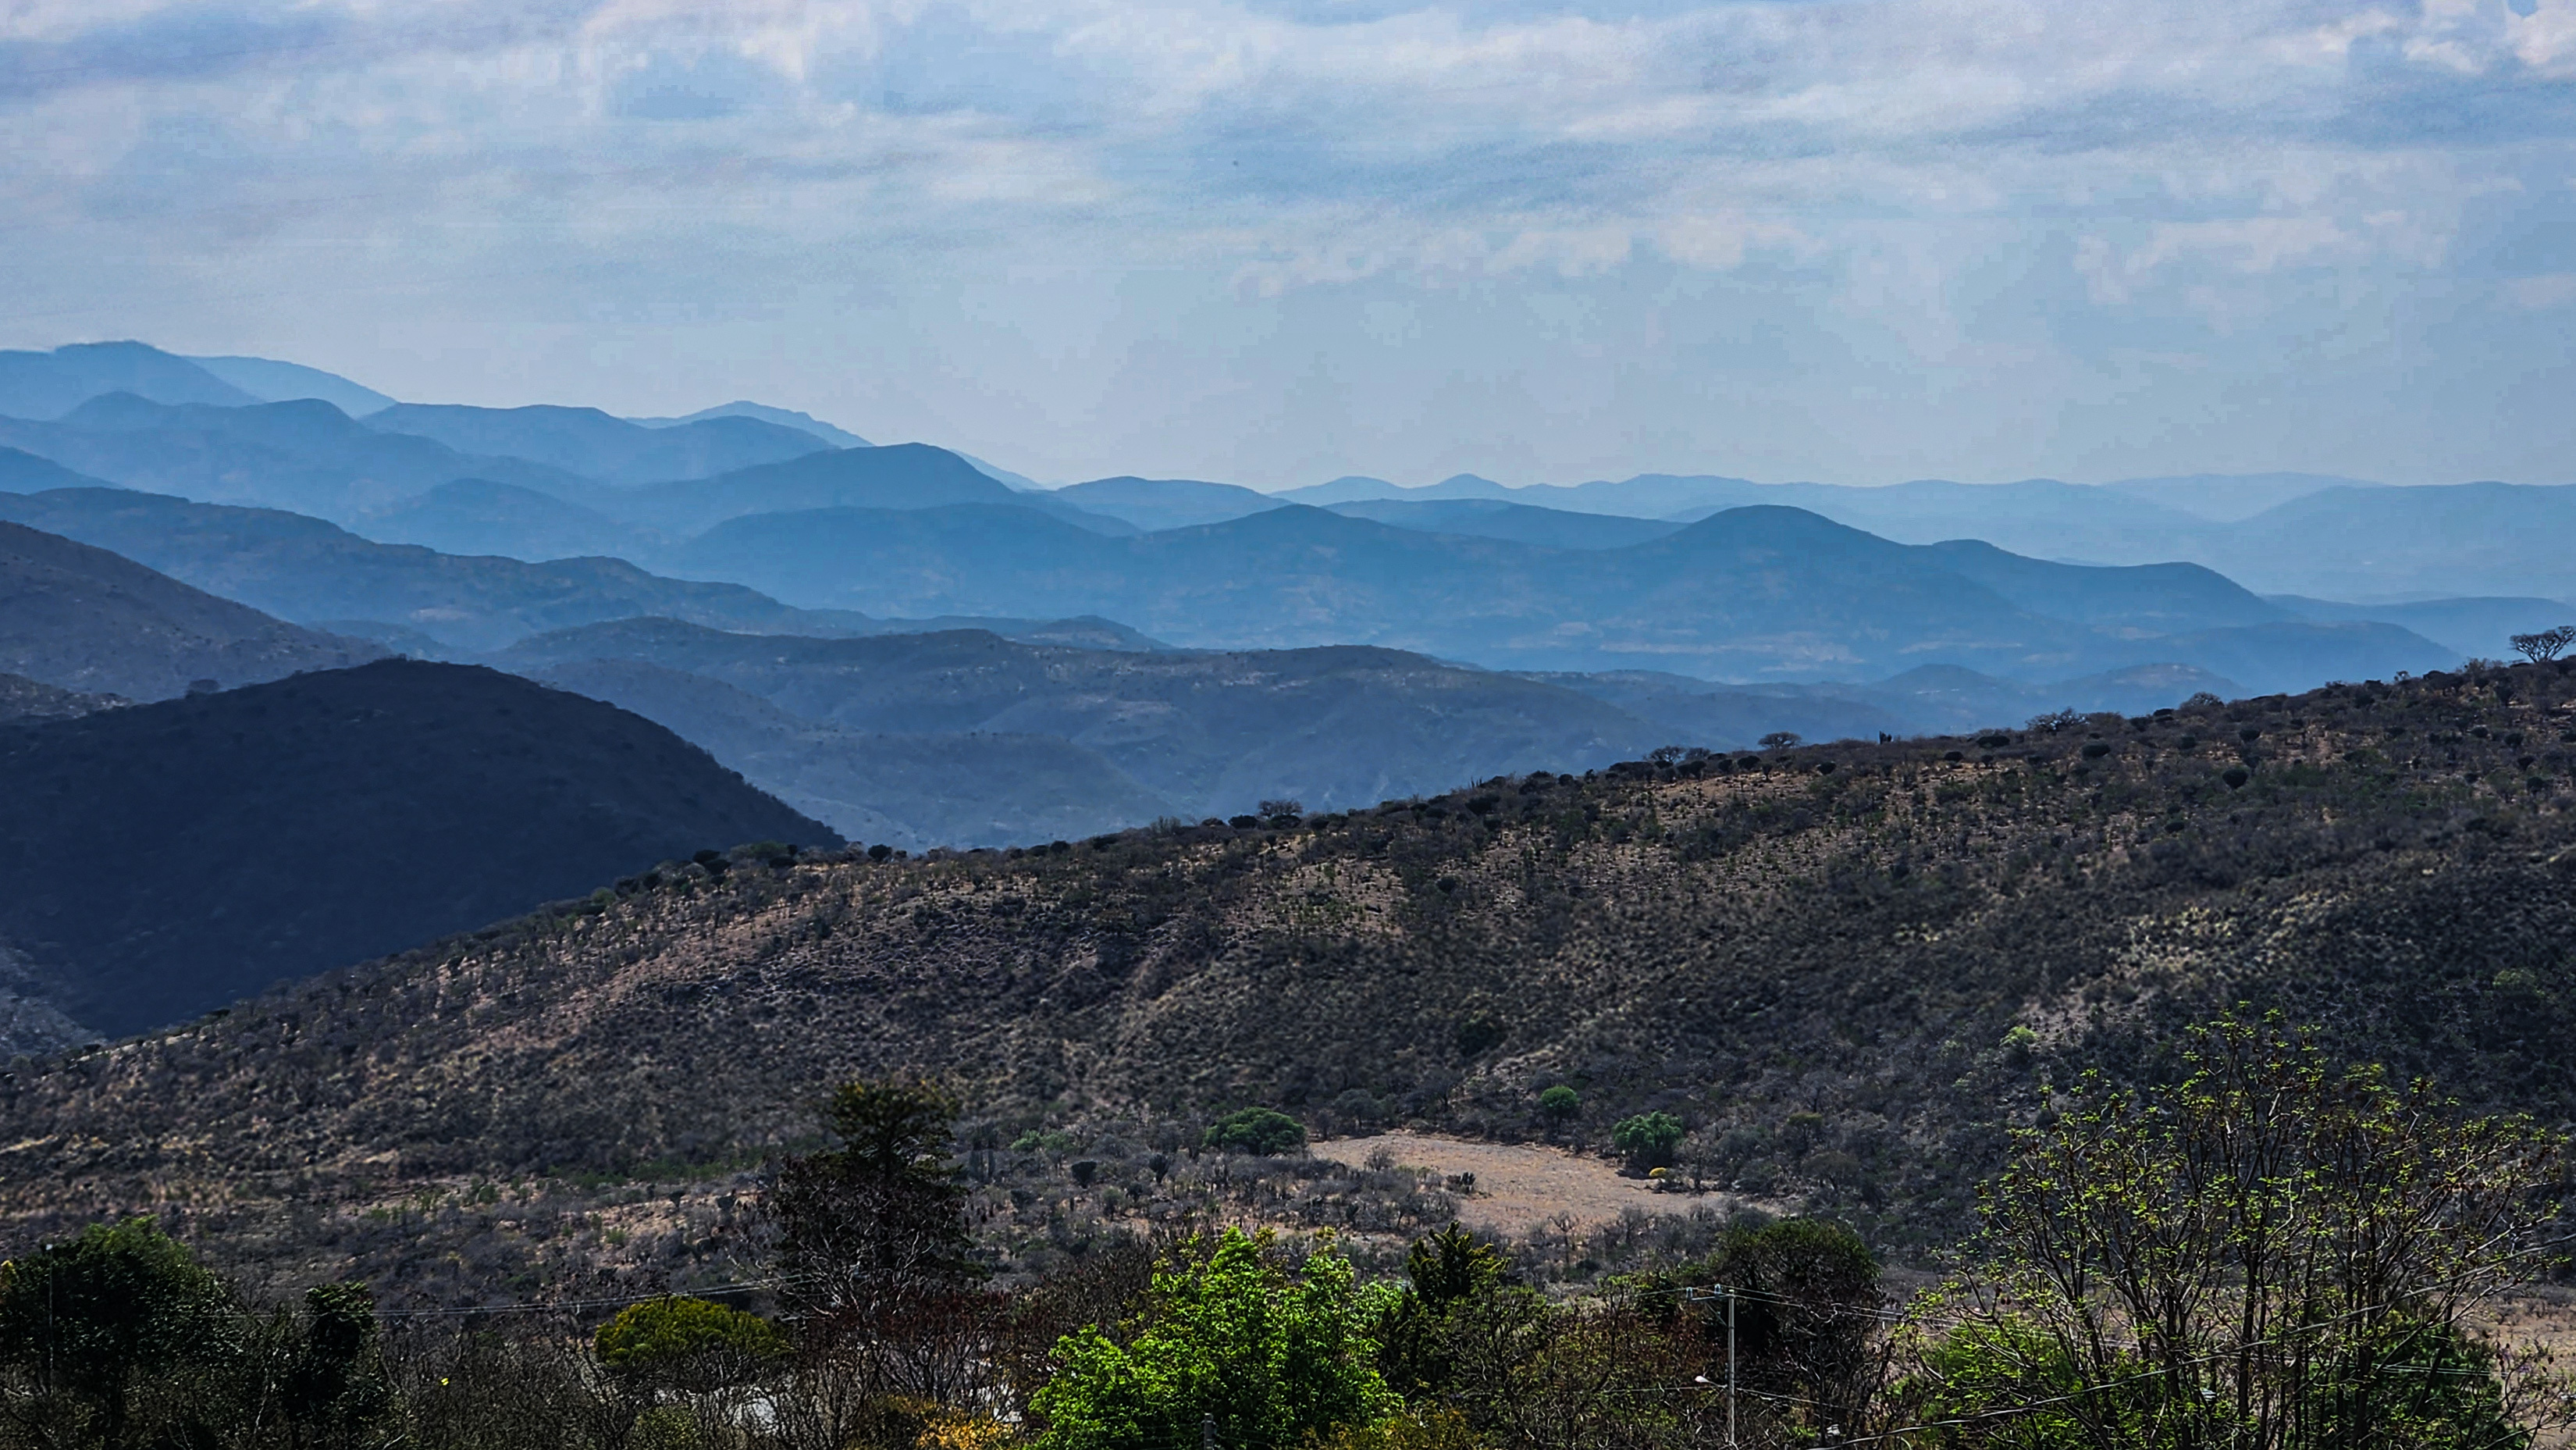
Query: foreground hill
x=169, y=858
x=1819, y=970
x=84, y=619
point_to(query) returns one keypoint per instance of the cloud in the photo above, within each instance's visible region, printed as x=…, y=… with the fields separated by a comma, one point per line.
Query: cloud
x=2024, y=193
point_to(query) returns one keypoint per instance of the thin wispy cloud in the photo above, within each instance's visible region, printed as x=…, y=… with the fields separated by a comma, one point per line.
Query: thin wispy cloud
x=1275, y=241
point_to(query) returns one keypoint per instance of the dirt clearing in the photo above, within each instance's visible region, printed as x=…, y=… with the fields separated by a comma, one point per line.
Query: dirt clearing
x=1520, y=1186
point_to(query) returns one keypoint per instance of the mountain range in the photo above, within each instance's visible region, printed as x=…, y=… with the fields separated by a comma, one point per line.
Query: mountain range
x=86, y=620
x=1752, y=593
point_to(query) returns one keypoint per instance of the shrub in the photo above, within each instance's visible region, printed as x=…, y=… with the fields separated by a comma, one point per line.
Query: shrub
x=1262, y=1131
x=1272, y=1356
x=1560, y=1103
x=687, y=1343
x=1648, y=1139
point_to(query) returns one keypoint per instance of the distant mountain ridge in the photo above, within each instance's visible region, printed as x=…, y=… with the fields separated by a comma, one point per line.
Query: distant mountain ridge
x=45, y=385
x=587, y=443
x=1751, y=593
x=272, y=381
x=85, y=620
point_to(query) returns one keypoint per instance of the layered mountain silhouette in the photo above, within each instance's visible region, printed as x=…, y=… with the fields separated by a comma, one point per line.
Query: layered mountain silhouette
x=40, y=385
x=896, y=476
x=417, y=600
x=304, y=455
x=85, y=620
x=1191, y=734
x=169, y=858
x=303, y=568
x=1752, y=592
x=911, y=790
x=591, y=444
x=271, y=381
x=783, y=417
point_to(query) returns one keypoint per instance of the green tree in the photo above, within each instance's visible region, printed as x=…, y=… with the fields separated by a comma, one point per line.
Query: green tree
x=334, y=1391
x=685, y=1343
x=1806, y=1302
x=94, y=1327
x=1446, y=1269
x=1559, y=1105
x=2273, y=1255
x=867, y=1227
x=1232, y=1335
x=1648, y=1139
x=1264, y=1131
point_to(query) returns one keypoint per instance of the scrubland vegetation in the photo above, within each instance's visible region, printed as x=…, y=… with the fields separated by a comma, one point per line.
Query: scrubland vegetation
x=2276, y=1251
x=1847, y=979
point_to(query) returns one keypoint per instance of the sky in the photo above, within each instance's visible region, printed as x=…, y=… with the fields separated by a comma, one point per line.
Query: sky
x=1852, y=241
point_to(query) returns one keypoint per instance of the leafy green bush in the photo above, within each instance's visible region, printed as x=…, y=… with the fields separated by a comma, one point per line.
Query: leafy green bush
x=1648, y=1139
x=1560, y=1103
x=687, y=1343
x=1262, y=1131
x=1229, y=1334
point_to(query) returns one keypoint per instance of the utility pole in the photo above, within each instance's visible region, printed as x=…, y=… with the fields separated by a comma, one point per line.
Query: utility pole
x=1730, y=1366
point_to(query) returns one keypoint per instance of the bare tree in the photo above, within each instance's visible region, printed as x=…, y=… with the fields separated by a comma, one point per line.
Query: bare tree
x=2545, y=644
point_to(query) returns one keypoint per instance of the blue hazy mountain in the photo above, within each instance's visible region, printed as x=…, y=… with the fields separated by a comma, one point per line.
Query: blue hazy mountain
x=1166, y=503
x=271, y=381
x=1212, y=733
x=2367, y=544
x=783, y=417
x=589, y=443
x=1522, y=523
x=2227, y=497
x=2308, y=534
x=896, y=476
x=315, y=573
x=2475, y=628
x=909, y=790
x=83, y=618
x=304, y=455
x=478, y=516
x=1763, y=592
x=44, y=385
x=300, y=568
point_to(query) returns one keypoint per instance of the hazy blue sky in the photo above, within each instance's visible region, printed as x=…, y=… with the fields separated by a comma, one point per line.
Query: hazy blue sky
x=1275, y=242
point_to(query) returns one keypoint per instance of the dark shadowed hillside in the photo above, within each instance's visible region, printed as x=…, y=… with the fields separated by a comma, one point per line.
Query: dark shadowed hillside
x=1818, y=970
x=169, y=858
x=85, y=619
x=25, y=699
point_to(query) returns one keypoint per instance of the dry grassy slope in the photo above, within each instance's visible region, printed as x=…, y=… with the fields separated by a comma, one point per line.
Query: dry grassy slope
x=1816, y=970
